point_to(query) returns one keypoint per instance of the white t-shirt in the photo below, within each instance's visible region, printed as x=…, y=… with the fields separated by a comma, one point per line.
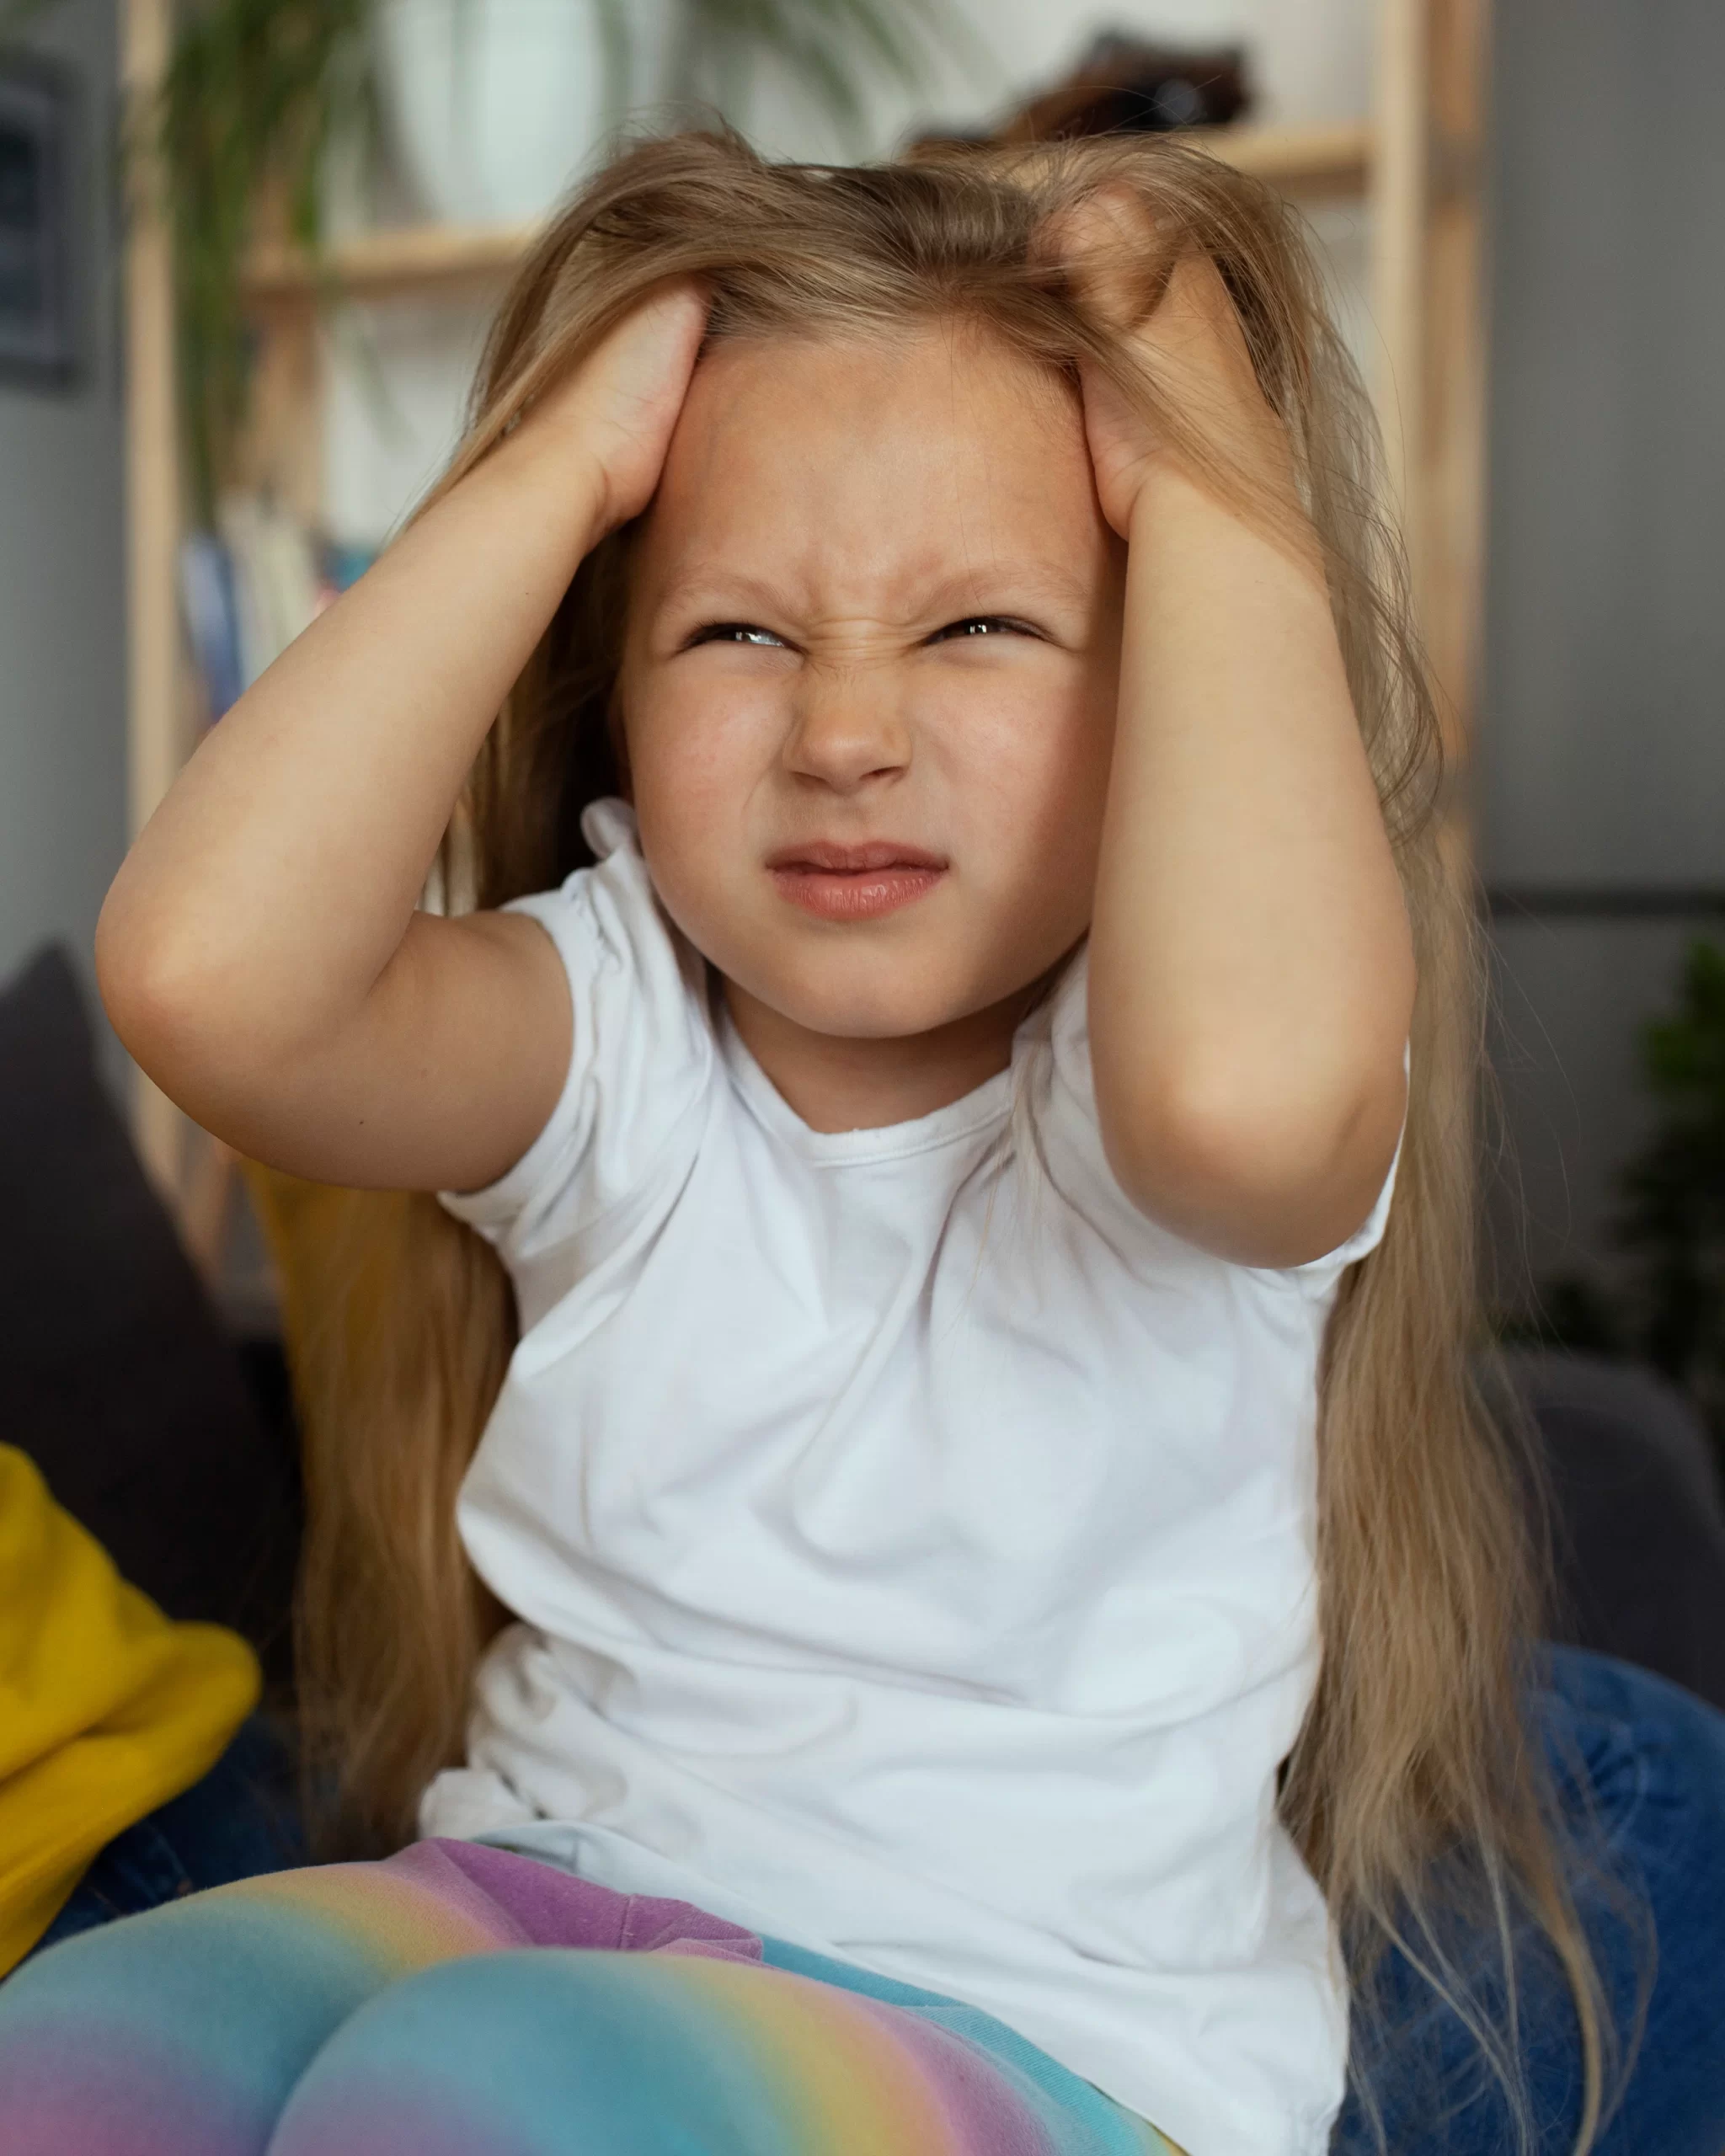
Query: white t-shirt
x=912, y=1543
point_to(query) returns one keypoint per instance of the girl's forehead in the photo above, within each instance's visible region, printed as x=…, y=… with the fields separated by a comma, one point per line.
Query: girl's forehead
x=910, y=450
x=946, y=372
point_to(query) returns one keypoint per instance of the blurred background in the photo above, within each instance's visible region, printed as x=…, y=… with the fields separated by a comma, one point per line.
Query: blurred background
x=248, y=249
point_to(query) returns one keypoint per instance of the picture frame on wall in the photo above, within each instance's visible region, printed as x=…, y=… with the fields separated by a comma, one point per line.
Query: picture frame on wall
x=38, y=330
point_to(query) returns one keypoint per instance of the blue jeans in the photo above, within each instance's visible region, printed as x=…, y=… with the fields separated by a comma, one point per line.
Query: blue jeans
x=1641, y=1769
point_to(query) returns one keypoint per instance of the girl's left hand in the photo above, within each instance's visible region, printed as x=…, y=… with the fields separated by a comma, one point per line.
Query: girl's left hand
x=1251, y=966
x=1192, y=343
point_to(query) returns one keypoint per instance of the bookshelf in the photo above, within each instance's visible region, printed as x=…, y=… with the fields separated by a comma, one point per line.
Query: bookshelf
x=1330, y=160
x=1414, y=160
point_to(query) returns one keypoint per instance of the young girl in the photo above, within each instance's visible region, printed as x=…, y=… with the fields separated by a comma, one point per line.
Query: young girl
x=999, y=1581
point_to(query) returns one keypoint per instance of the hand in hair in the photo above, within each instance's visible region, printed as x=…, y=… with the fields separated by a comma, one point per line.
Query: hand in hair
x=619, y=409
x=1186, y=334
x=260, y=952
x=1252, y=970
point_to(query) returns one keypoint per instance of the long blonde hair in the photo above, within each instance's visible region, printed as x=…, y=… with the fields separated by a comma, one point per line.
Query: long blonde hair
x=1413, y=1792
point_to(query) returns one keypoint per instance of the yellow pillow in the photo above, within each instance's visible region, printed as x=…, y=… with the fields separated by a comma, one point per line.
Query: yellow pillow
x=106, y=1708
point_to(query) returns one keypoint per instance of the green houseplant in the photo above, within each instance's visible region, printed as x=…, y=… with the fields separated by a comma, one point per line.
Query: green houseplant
x=258, y=91
x=1669, y=1308
x=1673, y=1221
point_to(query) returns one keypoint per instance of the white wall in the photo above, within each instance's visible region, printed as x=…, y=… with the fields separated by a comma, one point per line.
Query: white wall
x=1311, y=60
x=62, y=720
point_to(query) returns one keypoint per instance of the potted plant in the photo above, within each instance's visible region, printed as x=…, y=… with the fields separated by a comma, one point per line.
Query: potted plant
x=1668, y=1310
x=258, y=94
x=1673, y=1220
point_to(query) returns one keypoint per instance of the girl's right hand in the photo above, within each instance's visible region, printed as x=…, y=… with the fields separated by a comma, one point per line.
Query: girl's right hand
x=262, y=952
x=620, y=406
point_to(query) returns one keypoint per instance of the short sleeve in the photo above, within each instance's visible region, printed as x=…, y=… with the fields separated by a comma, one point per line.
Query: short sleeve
x=641, y=1057
x=1318, y=1275
x=1070, y=1132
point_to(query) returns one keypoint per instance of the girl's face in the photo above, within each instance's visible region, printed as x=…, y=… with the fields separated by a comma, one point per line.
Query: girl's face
x=870, y=675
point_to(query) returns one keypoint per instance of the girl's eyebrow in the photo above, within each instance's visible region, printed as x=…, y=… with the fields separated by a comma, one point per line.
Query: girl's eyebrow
x=715, y=589
x=706, y=589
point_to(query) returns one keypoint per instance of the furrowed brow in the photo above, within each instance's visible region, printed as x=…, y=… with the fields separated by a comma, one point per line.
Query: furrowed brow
x=997, y=587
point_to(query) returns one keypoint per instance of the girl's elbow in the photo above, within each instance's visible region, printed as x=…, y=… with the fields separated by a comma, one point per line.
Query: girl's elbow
x=162, y=987
x=129, y=976
x=1262, y=1177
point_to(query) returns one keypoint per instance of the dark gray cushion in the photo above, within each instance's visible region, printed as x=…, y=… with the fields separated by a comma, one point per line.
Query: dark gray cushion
x=1638, y=1520
x=116, y=1376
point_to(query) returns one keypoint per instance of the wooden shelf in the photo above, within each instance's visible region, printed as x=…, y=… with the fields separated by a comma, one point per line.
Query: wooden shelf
x=392, y=259
x=1334, y=159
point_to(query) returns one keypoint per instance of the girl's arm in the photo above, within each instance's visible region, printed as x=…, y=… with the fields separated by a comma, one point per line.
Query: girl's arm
x=1251, y=968
x=260, y=952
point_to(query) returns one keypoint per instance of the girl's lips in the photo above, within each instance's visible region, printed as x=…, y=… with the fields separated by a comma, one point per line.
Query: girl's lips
x=854, y=882
x=854, y=893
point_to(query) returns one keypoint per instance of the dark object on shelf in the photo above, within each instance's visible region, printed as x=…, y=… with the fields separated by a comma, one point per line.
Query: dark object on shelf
x=1122, y=86
x=116, y=1377
x=38, y=330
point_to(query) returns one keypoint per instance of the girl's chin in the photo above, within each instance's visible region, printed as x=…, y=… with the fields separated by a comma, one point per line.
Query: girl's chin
x=873, y=1003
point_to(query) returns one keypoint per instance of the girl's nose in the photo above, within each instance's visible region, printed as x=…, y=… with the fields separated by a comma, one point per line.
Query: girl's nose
x=848, y=727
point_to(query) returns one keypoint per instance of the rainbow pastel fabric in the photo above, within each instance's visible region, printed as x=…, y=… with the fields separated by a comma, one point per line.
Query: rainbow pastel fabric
x=459, y=2000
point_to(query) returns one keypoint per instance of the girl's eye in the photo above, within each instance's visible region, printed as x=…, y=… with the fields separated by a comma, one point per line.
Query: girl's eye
x=981, y=625
x=735, y=632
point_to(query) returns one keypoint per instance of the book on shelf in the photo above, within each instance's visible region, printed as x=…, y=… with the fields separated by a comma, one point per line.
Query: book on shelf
x=208, y=604
x=248, y=588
